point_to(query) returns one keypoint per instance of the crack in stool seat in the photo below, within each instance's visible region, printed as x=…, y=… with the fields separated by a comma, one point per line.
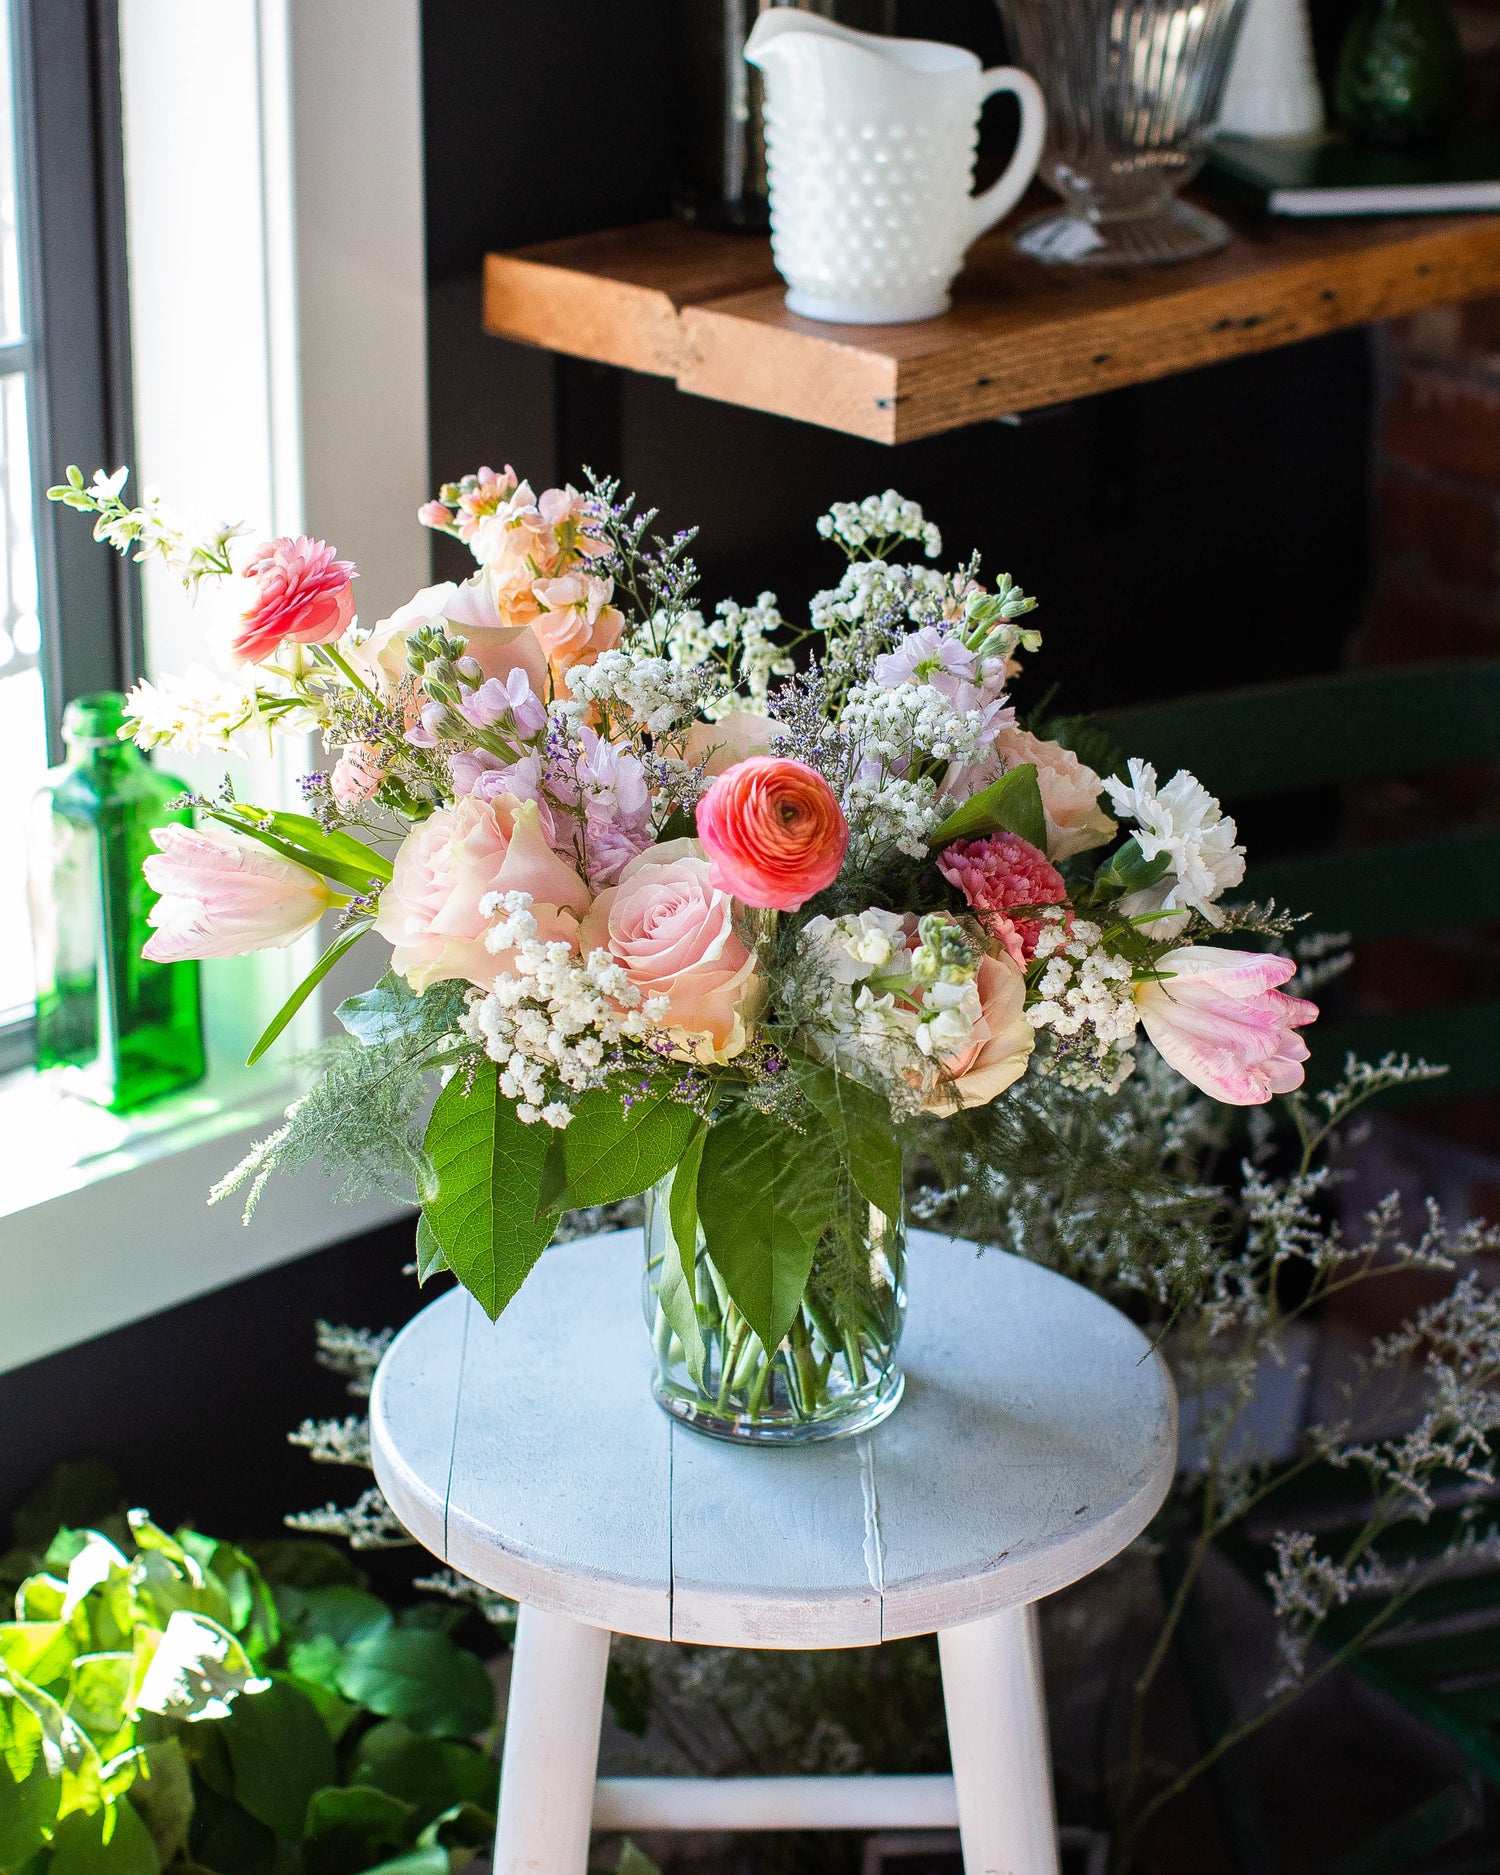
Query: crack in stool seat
x=1037, y=1437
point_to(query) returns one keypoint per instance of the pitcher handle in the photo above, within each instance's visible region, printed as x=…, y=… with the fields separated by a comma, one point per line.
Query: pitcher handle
x=1002, y=196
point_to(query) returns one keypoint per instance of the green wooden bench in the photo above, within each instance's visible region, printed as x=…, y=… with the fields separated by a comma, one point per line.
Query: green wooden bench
x=1355, y=726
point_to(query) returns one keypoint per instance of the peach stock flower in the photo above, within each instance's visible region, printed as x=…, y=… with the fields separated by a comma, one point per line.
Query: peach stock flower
x=774, y=831
x=575, y=621
x=223, y=894
x=1000, y=1047
x=1069, y=789
x=672, y=931
x=429, y=913
x=303, y=593
x=1219, y=1019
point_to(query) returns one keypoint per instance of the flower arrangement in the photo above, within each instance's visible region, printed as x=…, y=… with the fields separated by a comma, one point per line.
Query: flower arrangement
x=722, y=906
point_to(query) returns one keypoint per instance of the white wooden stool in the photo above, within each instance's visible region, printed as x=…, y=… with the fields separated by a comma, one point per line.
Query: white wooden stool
x=1036, y=1438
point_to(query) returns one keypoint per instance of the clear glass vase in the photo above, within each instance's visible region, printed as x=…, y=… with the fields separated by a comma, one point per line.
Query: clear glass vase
x=834, y=1373
x=1132, y=90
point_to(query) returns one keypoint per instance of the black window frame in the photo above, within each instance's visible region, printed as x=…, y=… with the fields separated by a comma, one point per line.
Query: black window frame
x=70, y=172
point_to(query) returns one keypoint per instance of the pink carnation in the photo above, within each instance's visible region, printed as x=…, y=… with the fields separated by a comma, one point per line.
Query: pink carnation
x=997, y=874
x=302, y=593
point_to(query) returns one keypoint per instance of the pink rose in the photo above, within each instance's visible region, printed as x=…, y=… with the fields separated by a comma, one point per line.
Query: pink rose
x=730, y=740
x=1069, y=789
x=1218, y=1018
x=302, y=593
x=429, y=913
x=996, y=875
x=672, y=931
x=1000, y=1047
x=774, y=830
x=223, y=894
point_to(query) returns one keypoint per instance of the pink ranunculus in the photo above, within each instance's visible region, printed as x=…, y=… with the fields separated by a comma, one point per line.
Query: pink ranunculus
x=774, y=831
x=672, y=931
x=223, y=894
x=1069, y=789
x=731, y=739
x=1000, y=1047
x=356, y=775
x=1219, y=1019
x=448, y=863
x=997, y=874
x=302, y=594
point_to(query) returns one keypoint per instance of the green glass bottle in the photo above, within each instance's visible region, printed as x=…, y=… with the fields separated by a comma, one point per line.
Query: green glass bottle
x=1400, y=73
x=120, y=1029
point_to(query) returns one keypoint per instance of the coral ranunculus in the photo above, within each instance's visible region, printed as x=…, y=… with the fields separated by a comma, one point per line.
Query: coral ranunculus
x=672, y=931
x=223, y=894
x=775, y=832
x=1219, y=1019
x=430, y=912
x=303, y=594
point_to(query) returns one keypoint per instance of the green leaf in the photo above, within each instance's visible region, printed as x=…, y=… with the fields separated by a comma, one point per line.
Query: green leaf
x=488, y=1167
x=341, y=945
x=347, y=1827
x=633, y=1861
x=111, y=1841
x=677, y=1287
x=40, y=1651
x=392, y=1010
x=423, y=1679
x=163, y=1795
x=1012, y=804
x=338, y=856
x=1130, y=870
x=764, y=1196
x=29, y=1797
x=342, y=1613
x=295, y=1564
x=610, y=1151
x=863, y=1132
x=430, y=1258
x=431, y=1859
x=431, y=1774
x=226, y=1838
x=280, y=1753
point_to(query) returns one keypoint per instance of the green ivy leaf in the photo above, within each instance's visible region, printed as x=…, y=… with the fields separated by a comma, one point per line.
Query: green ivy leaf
x=764, y=1196
x=611, y=1151
x=1012, y=804
x=421, y=1678
x=280, y=1753
x=862, y=1129
x=488, y=1168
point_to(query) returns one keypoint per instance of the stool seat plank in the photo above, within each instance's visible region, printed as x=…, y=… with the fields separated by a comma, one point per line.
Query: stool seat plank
x=1037, y=1436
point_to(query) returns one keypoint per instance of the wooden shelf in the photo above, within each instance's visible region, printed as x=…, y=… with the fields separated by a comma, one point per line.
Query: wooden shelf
x=706, y=310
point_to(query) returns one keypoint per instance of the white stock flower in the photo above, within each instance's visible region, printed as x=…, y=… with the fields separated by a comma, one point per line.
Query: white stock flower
x=189, y=712
x=1183, y=820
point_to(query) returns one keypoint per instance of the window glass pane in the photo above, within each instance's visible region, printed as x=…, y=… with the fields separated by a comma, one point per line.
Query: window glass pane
x=10, y=258
x=23, y=731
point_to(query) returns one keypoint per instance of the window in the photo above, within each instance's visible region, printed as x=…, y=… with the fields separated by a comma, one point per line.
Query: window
x=68, y=611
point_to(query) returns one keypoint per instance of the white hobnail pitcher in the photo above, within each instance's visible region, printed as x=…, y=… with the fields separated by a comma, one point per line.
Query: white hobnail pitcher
x=870, y=159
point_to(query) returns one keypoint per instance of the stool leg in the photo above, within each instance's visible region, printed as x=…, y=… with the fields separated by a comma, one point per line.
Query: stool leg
x=551, y=1746
x=997, y=1732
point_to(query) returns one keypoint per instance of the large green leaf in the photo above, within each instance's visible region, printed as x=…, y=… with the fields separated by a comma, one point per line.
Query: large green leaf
x=431, y=1774
x=764, y=1196
x=163, y=1794
x=341, y=945
x=612, y=1151
x=677, y=1284
x=280, y=1753
x=862, y=1129
x=421, y=1678
x=1012, y=804
x=351, y=1826
x=488, y=1167
x=111, y=1841
x=29, y=1793
x=343, y=1613
x=338, y=856
x=430, y=1258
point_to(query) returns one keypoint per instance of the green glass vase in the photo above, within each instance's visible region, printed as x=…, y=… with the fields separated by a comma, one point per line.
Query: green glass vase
x=118, y=1029
x=1400, y=73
